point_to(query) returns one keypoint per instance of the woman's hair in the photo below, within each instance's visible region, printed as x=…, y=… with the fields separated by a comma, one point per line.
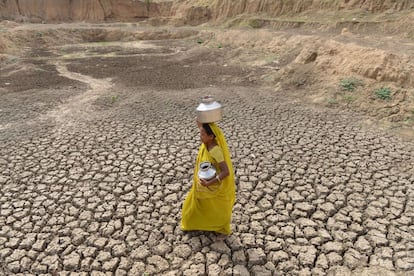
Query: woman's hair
x=208, y=130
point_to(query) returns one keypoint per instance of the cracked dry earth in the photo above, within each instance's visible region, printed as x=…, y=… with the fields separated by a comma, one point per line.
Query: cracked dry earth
x=96, y=158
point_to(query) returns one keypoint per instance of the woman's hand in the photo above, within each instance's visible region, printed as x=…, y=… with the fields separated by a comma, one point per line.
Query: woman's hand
x=199, y=124
x=205, y=182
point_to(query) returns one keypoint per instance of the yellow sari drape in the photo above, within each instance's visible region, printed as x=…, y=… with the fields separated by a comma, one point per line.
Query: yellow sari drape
x=210, y=208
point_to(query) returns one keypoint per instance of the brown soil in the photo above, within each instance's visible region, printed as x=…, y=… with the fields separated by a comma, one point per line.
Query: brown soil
x=91, y=113
x=303, y=64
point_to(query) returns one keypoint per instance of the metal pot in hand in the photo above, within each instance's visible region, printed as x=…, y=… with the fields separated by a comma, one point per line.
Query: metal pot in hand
x=206, y=171
x=208, y=110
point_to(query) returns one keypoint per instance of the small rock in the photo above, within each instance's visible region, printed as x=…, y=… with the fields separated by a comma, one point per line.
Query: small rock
x=305, y=206
x=354, y=259
x=333, y=247
x=362, y=245
x=239, y=257
x=256, y=256
x=195, y=244
x=159, y=262
x=310, y=232
x=295, y=196
x=273, y=246
x=377, y=238
x=322, y=261
x=328, y=208
x=110, y=265
x=198, y=269
x=308, y=257
x=184, y=251
x=376, y=261
x=324, y=235
x=240, y=270
x=305, y=222
x=334, y=259
x=71, y=261
x=140, y=253
x=260, y=270
x=103, y=256
x=405, y=263
x=213, y=269
x=78, y=236
x=279, y=256
x=163, y=248
x=119, y=250
x=14, y=266
x=373, y=212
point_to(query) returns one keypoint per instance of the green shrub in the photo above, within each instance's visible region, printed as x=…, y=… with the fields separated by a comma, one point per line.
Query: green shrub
x=12, y=59
x=383, y=93
x=349, y=99
x=256, y=23
x=350, y=84
x=332, y=101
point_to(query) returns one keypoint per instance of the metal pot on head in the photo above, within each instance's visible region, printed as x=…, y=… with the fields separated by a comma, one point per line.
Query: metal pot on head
x=209, y=111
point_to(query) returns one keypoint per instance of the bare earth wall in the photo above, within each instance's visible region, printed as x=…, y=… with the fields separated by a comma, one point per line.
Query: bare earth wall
x=123, y=10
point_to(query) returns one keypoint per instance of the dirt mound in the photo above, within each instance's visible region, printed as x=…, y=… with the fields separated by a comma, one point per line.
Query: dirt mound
x=337, y=56
x=376, y=64
x=342, y=70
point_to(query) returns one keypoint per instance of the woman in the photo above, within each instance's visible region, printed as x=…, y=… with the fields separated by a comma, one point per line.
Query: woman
x=209, y=204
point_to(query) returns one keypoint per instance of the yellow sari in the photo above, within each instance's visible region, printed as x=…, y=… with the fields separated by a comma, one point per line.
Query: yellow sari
x=210, y=208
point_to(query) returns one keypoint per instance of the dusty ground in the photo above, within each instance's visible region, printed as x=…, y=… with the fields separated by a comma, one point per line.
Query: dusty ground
x=98, y=143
